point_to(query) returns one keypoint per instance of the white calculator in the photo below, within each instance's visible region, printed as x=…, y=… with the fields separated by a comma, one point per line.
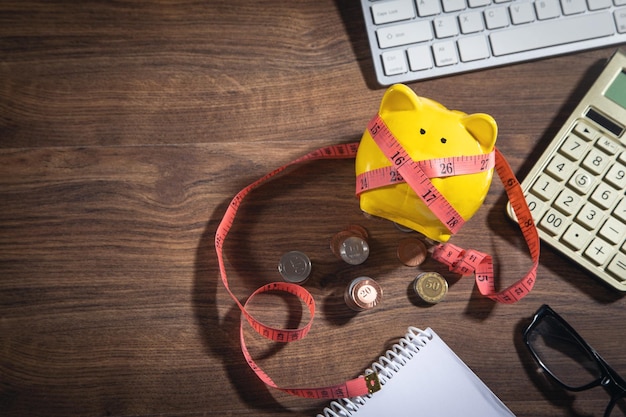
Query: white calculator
x=576, y=190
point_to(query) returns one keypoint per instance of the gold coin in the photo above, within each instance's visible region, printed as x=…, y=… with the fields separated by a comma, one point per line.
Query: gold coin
x=412, y=252
x=430, y=287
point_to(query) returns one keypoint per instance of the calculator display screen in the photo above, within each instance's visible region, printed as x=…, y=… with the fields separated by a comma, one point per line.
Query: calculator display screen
x=617, y=90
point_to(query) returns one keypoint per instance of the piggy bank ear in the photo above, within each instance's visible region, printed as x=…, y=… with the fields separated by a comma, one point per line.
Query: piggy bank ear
x=483, y=127
x=399, y=97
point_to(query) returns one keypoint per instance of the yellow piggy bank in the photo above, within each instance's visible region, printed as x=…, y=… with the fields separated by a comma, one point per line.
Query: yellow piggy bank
x=427, y=130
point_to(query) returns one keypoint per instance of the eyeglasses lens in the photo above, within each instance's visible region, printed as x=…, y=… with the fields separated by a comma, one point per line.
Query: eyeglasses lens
x=562, y=354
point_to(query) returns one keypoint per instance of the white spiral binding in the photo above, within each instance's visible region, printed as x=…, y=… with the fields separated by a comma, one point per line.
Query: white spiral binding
x=386, y=367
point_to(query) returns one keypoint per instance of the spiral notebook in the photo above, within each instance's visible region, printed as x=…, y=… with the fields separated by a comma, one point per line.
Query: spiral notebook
x=421, y=376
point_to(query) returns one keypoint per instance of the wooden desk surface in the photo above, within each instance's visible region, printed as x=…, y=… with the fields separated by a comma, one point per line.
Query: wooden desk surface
x=125, y=130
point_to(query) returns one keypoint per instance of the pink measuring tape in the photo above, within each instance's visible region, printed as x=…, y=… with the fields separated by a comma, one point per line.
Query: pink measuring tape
x=416, y=174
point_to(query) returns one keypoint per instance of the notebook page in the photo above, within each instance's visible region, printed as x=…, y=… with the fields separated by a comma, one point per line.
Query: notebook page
x=435, y=382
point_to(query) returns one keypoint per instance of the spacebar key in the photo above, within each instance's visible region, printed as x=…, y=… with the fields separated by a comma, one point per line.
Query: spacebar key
x=552, y=33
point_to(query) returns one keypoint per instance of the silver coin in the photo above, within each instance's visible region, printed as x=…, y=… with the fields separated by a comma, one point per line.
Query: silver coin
x=294, y=266
x=354, y=250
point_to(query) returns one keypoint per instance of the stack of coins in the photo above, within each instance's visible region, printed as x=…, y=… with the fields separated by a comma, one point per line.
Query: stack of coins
x=430, y=287
x=412, y=251
x=351, y=245
x=363, y=293
x=294, y=266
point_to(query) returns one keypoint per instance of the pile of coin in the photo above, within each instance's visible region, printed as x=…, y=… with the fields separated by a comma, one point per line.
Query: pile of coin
x=363, y=293
x=350, y=244
x=430, y=287
x=295, y=266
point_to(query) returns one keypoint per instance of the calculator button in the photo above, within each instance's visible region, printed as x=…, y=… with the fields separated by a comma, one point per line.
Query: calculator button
x=617, y=266
x=596, y=161
x=573, y=147
x=546, y=187
x=585, y=131
x=608, y=145
x=535, y=205
x=581, y=181
x=604, y=195
x=589, y=216
x=560, y=167
x=576, y=236
x=613, y=230
x=620, y=210
x=567, y=202
x=553, y=222
x=599, y=251
x=617, y=176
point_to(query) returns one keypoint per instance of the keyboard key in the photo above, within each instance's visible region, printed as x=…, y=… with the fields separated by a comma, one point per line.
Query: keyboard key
x=404, y=34
x=576, y=237
x=420, y=58
x=551, y=33
x=573, y=6
x=496, y=18
x=453, y=5
x=599, y=4
x=599, y=251
x=480, y=3
x=428, y=7
x=394, y=62
x=392, y=11
x=547, y=9
x=522, y=13
x=473, y=48
x=620, y=20
x=471, y=22
x=446, y=27
x=445, y=53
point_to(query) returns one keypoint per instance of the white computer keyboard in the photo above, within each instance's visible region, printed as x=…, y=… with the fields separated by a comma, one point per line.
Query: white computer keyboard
x=576, y=190
x=413, y=40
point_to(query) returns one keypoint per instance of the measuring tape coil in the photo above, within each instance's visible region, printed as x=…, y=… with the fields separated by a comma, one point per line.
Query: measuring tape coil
x=444, y=221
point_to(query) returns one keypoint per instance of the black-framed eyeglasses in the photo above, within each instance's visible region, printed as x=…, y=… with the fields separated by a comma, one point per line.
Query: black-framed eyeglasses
x=570, y=361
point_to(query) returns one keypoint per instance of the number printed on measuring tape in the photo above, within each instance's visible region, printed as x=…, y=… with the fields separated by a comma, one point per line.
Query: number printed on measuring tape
x=432, y=168
x=414, y=175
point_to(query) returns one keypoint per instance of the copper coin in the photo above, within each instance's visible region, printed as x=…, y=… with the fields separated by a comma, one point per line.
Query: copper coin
x=358, y=230
x=337, y=240
x=363, y=293
x=411, y=251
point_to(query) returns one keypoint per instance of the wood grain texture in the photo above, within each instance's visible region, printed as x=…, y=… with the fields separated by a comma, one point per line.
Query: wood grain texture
x=125, y=130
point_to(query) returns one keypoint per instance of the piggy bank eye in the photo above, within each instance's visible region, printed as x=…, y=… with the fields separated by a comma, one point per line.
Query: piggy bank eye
x=422, y=131
x=444, y=140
